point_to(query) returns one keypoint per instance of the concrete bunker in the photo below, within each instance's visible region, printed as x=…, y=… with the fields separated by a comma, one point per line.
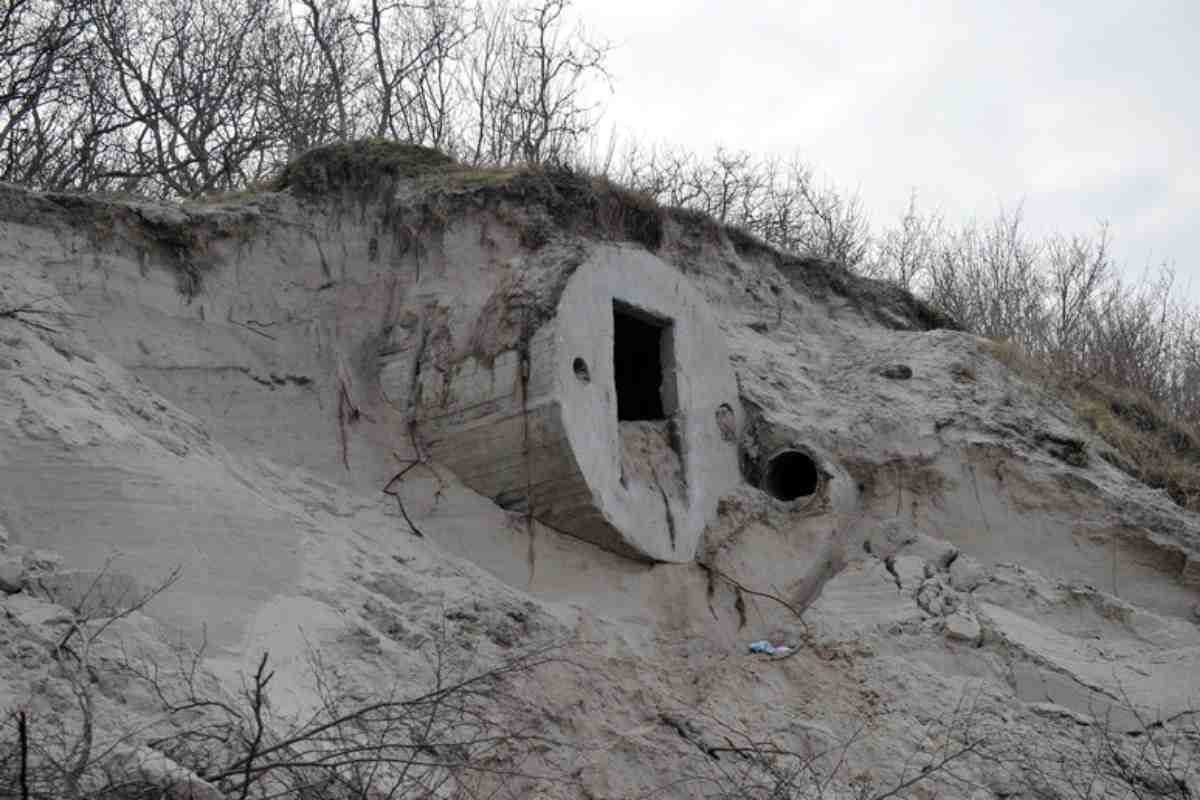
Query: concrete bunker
x=610, y=420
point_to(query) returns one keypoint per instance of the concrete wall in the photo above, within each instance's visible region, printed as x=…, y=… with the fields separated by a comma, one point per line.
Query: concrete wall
x=526, y=430
x=651, y=519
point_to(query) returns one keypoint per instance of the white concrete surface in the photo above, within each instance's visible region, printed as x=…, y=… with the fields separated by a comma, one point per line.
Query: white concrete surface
x=550, y=444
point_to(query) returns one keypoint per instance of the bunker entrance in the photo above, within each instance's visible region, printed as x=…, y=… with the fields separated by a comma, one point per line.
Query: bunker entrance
x=643, y=364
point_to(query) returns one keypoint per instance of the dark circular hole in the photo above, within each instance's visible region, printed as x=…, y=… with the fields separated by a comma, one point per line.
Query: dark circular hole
x=581, y=370
x=790, y=475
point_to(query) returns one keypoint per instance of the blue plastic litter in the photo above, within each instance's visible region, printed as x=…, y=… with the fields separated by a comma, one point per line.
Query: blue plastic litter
x=765, y=647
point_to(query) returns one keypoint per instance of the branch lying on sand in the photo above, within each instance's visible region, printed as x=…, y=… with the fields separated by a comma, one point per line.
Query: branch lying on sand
x=741, y=587
x=392, y=487
x=17, y=312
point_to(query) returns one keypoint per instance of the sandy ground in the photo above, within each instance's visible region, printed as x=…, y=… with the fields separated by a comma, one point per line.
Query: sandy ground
x=951, y=551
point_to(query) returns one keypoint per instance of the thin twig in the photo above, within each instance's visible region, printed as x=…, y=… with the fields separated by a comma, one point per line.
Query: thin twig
x=741, y=587
x=257, y=701
x=23, y=736
x=263, y=334
x=15, y=312
x=392, y=488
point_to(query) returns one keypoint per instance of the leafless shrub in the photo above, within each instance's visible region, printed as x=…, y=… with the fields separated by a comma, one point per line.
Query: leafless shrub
x=779, y=202
x=905, y=254
x=988, y=279
x=186, y=91
x=183, y=97
x=1125, y=353
x=736, y=761
x=459, y=736
x=528, y=70
x=64, y=755
x=411, y=47
x=1150, y=758
x=43, y=45
x=313, y=74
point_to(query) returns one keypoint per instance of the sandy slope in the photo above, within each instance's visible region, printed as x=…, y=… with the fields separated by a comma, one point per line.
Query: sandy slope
x=236, y=425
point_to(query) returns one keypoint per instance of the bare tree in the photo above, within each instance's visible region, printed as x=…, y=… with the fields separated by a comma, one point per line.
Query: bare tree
x=1133, y=335
x=43, y=48
x=777, y=200
x=989, y=279
x=312, y=76
x=528, y=76
x=905, y=254
x=184, y=97
x=187, y=85
x=413, y=48
x=1078, y=269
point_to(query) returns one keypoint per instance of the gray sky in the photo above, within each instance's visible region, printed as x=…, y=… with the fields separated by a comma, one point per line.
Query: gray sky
x=1085, y=111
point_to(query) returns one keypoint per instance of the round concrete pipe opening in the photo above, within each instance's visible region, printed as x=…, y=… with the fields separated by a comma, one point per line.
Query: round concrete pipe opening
x=791, y=475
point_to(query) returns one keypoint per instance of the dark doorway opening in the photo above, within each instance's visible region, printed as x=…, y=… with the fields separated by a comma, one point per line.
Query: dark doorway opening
x=790, y=476
x=643, y=356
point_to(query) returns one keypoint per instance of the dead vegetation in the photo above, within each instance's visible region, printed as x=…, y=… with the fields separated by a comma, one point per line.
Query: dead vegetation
x=1146, y=440
x=550, y=197
x=360, y=166
x=554, y=198
x=1158, y=758
x=977, y=748
x=130, y=723
x=1150, y=445
x=31, y=313
x=1125, y=355
x=587, y=204
x=186, y=239
x=737, y=760
x=463, y=735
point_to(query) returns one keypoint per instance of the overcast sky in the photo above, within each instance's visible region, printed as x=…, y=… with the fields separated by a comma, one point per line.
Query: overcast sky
x=1084, y=111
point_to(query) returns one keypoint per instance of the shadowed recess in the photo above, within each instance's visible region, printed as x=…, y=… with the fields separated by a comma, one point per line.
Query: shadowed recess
x=790, y=476
x=638, y=360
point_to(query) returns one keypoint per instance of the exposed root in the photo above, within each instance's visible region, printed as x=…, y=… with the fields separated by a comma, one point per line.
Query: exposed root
x=392, y=487
x=742, y=589
x=21, y=314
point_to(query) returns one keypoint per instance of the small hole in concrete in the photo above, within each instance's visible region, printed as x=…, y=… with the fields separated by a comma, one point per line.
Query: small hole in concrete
x=790, y=475
x=727, y=422
x=581, y=371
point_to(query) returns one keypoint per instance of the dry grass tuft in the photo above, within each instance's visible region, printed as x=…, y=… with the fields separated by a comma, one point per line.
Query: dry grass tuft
x=1011, y=355
x=361, y=165
x=572, y=199
x=1156, y=449
x=589, y=204
x=1148, y=443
